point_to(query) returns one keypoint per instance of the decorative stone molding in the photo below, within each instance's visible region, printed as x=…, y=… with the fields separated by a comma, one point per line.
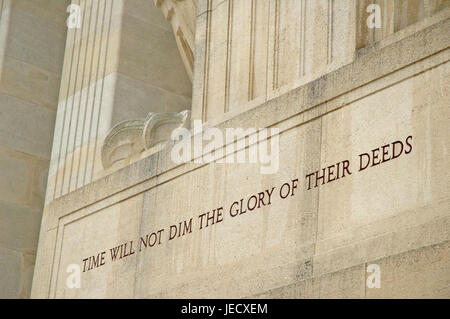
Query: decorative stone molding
x=122, y=142
x=159, y=126
x=182, y=16
x=131, y=137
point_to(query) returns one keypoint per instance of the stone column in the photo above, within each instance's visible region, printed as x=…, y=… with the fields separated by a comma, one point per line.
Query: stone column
x=121, y=64
x=32, y=38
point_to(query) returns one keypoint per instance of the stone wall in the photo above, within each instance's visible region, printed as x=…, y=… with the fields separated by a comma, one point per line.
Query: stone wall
x=248, y=52
x=32, y=37
x=314, y=243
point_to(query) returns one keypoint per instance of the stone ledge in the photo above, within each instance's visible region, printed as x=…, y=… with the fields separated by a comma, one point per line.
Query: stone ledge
x=313, y=288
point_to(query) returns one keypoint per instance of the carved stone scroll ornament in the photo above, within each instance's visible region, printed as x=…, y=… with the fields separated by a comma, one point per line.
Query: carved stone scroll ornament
x=131, y=137
x=122, y=142
x=159, y=126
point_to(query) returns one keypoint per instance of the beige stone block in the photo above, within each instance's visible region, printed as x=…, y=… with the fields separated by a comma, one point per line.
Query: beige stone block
x=216, y=63
x=420, y=273
x=174, y=102
x=346, y=283
x=135, y=99
x=367, y=245
x=289, y=39
x=44, y=261
x=379, y=192
x=30, y=83
x=200, y=67
x=48, y=11
x=318, y=45
x=342, y=32
x=343, y=284
x=407, y=13
x=265, y=233
x=36, y=41
x=25, y=126
x=112, y=280
x=245, y=70
x=33, y=38
x=17, y=171
x=364, y=35
x=202, y=6
x=147, y=12
x=27, y=274
x=19, y=227
x=10, y=262
x=16, y=270
x=140, y=43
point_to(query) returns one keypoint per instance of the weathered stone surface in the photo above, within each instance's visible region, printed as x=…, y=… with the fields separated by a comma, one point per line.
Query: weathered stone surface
x=316, y=243
x=32, y=38
x=335, y=88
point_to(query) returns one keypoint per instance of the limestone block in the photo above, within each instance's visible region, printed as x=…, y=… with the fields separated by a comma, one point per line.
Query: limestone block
x=134, y=98
x=36, y=41
x=364, y=35
x=10, y=274
x=25, y=126
x=277, y=238
x=182, y=16
x=17, y=174
x=29, y=82
x=140, y=43
x=44, y=261
x=16, y=271
x=49, y=11
x=32, y=37
x=372, y=194
x=120, y=222
x=145, y=11
x=19, y=227
x=395, y=16
x=421, y=273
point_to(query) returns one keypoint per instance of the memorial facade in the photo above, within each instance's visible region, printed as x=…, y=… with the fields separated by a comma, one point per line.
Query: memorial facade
x=226, y=149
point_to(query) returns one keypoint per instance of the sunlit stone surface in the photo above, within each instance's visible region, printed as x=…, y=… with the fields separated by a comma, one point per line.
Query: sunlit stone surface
x=361, y=145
